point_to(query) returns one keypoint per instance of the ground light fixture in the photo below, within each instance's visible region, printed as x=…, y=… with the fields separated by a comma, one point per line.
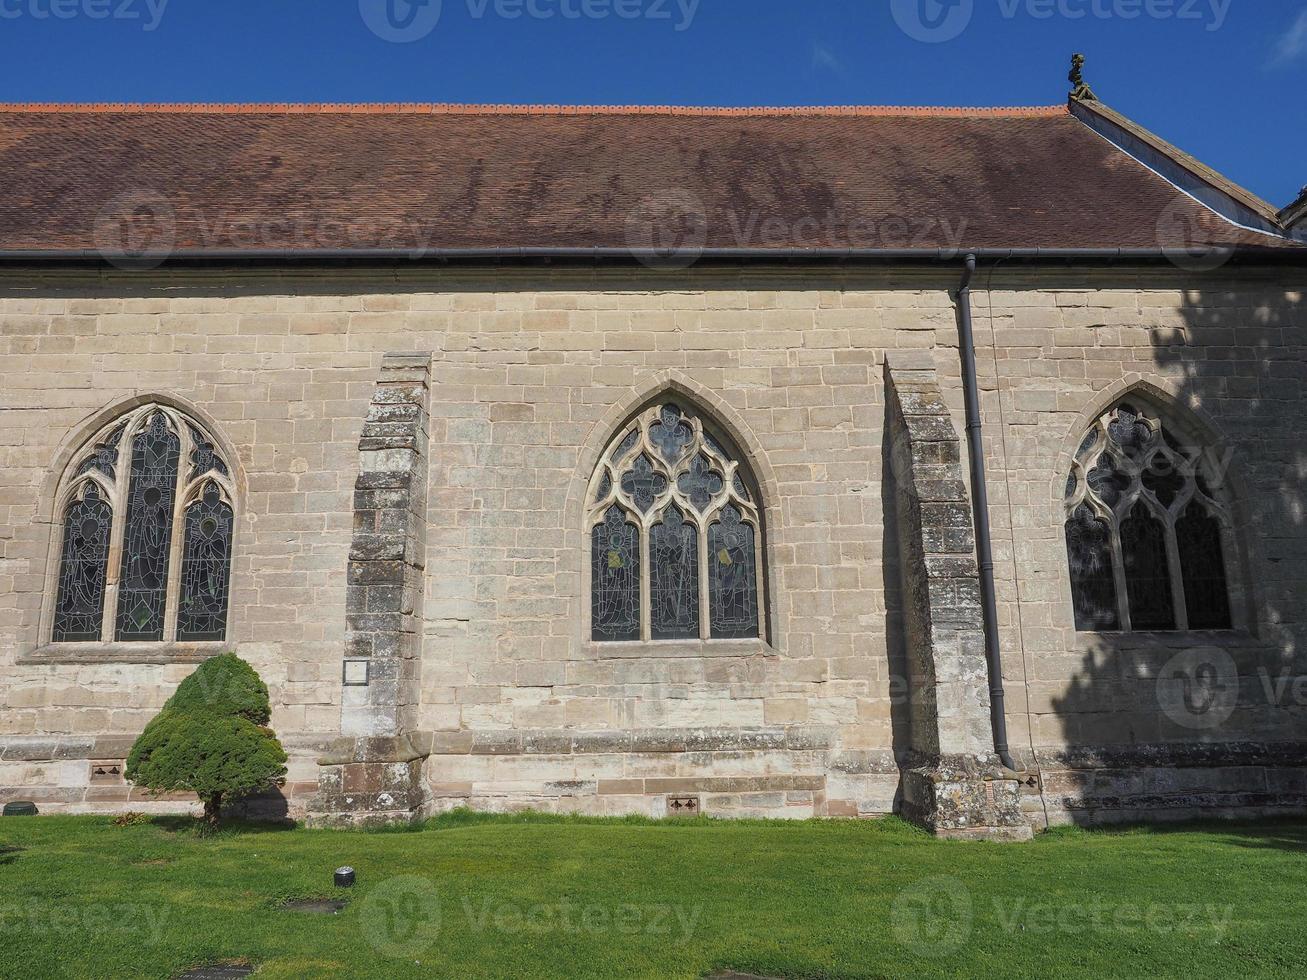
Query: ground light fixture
x=20, y=808
x=345, y=877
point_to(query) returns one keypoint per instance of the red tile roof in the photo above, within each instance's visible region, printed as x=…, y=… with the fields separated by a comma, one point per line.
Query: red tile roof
x=304, y=177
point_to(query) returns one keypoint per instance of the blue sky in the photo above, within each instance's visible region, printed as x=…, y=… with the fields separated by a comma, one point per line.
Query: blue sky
x=1223, y=79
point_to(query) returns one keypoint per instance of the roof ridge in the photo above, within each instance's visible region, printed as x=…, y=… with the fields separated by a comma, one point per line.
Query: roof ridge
x=450, y=108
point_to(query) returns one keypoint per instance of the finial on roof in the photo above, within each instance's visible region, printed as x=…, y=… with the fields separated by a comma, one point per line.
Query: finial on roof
x=1079, y=89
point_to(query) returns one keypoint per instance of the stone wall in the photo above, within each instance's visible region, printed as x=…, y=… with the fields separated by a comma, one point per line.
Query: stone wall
x=530, y=373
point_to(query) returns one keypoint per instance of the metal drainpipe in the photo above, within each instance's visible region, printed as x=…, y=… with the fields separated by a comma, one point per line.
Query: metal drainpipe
x=980, y=507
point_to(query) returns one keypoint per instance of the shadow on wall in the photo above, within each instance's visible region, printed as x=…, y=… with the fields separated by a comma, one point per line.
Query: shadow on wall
x=895, y=622
x=1166, y=724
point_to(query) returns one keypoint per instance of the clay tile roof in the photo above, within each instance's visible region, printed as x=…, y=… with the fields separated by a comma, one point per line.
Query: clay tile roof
x=301, y=177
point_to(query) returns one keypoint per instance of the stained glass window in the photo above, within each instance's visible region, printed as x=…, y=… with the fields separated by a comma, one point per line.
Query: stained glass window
x=615, y=578
x=1198, y=538
x=142, y=589
x=733, y=592
x=1147, y=575
x=147, y=462
x=686, y=489
x=1093, y=582
x=79, y=606
x=1138, y=495
x=206, y=565
x=674, y=577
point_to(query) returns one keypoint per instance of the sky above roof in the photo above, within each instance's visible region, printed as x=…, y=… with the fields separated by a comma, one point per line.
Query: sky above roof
x=1222, y=79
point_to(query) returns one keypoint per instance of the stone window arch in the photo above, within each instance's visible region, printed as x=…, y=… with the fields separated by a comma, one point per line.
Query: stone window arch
x=674, y=519
x=1149, y=527
x=145, y=517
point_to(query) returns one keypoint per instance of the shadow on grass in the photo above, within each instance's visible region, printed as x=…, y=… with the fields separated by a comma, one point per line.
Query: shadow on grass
x=1287, y=834
x=195, y=827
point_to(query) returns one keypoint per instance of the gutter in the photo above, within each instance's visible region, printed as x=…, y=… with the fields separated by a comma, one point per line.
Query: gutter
x=672, y=260
x=980, y=512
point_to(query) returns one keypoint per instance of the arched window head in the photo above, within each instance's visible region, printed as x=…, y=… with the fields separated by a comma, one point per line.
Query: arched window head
x=147, y=521
x=1148, y=529
x=675, y=533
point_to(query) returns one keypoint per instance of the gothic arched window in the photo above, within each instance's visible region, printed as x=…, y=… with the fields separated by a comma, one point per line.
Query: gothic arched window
x=675, y=534
x=147, y=519
x=1148, y=528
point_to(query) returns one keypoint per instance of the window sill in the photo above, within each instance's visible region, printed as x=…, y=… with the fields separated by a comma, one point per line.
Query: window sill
x=124, y=653
x=1166, y=639
x=653, y=649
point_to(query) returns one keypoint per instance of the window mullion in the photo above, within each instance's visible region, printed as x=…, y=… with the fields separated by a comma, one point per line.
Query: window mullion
x=113, y=573
x=1118, y=573
x=1177, y=576
x=646, y=609
x=705, y=573
x=171, y=598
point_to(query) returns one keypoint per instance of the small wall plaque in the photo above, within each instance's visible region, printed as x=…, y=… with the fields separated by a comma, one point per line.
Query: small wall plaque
x=356, y=673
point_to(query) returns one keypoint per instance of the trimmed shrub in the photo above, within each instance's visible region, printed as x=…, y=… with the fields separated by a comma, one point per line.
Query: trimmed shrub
x=210, y=738
x=223, y=685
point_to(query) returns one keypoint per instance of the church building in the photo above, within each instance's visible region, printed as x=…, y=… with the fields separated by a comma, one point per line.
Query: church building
x=802, y=462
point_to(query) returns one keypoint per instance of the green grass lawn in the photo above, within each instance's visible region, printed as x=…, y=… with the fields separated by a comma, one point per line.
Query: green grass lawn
x=535, y=896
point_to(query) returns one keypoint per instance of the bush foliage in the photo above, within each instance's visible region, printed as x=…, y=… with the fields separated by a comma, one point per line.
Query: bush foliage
x=210, y=738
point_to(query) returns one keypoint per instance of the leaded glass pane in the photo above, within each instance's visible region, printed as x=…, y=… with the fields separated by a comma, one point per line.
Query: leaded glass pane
x=1129, y=431
x=206, y=568
x=1164, y=479
x=732, y=578
x=740, y=488
x=104, y=457
x=1108, y=481
x=142, y=590
x=671, y=434
x=701, y=484
x=605, y=487
x=1147, y=573
x=1202, y=566
x=79, y=606
x=204, y=458
x=642, y=484
x=1093, y=584
x=625, y=446
x=674, y=577
x=615, y=579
